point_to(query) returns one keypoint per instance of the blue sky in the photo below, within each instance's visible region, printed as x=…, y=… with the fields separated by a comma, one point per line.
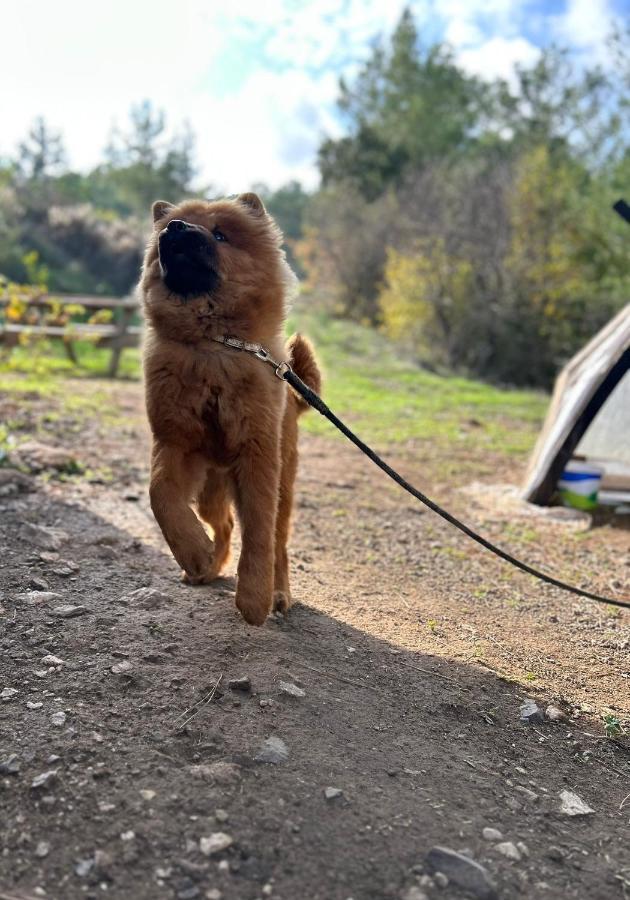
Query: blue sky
x=257, y=80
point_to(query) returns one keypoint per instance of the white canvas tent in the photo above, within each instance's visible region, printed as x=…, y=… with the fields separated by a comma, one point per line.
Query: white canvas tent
x=589, y=415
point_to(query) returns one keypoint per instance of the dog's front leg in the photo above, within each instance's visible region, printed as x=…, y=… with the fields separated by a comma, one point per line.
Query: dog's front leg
x=175, y=481
x=257, y=481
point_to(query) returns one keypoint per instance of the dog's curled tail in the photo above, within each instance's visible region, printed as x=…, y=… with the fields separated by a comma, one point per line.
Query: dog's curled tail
x=304, y=364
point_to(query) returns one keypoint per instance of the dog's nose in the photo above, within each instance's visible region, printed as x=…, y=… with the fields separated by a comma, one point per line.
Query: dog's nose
x=176, y=225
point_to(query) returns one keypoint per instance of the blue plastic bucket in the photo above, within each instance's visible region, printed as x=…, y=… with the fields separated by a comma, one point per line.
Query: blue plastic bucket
x=579, y=485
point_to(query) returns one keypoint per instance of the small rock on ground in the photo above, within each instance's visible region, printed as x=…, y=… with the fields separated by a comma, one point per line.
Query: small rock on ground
x=290, y=689
x=414, y=893
x=491, y=834
x=84, y=867
x=215, y=843
x=46, y=779
x=331, y=793
x=572, y=805
x=51, y=660
x=273, y=750
x=34, y=597
x=68, y=611
x=509, y=850
x=526, y=792
x=462, y=872
x=10, y=765
x=145, y=598
x=531, y=712
x=38, y=584
x=122, y=668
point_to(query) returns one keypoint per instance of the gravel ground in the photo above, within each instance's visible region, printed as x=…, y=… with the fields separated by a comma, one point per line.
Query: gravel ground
x=153, y=746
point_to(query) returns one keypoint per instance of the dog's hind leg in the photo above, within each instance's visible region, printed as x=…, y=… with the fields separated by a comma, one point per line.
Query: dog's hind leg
x=214, y=508
x=289, y=456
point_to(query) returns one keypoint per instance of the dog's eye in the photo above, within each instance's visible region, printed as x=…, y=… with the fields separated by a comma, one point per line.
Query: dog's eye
x=218, y=235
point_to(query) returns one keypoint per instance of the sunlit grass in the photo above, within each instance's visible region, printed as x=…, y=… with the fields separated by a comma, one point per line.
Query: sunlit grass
x=39, y=359
x=40, y=376
x=389, y=399
x=368, y=381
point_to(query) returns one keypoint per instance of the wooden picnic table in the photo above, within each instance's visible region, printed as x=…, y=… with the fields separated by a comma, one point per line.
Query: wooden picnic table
x=116, y=335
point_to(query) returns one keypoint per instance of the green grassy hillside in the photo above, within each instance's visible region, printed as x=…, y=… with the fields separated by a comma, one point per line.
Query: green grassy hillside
x=390, y=400
x=384, y=396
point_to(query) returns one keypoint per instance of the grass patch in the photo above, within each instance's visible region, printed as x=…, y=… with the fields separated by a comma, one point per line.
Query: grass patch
x=390, y=400
x=368, y=382
x=50, y=394
x=42, y=358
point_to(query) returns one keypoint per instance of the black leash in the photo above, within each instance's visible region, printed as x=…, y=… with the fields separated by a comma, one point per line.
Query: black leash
x=284, y=371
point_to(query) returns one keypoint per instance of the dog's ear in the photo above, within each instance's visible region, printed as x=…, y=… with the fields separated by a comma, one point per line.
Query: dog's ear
x=253, y=203
x=160, y=209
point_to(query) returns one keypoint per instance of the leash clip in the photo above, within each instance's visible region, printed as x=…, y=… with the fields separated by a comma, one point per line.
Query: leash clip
x=258, y=351
x=282, y=370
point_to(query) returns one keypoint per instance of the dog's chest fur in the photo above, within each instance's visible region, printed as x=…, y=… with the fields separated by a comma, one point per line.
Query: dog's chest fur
x=213, y=404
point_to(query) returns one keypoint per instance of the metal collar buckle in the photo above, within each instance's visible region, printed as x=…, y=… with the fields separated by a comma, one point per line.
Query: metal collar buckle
x=259, y=352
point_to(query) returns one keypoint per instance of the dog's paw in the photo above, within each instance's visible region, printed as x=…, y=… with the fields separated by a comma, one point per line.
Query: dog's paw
x=204, y=578
x=282, y=601
x=254, y=613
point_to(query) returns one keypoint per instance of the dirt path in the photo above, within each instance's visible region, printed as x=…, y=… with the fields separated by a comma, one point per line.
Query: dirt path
x=123, y=747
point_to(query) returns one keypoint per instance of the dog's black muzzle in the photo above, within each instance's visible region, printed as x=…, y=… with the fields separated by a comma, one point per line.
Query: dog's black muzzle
x=188, y=258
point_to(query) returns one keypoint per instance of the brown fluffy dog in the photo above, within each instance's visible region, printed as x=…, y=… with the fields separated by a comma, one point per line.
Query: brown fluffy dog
x=224, y=427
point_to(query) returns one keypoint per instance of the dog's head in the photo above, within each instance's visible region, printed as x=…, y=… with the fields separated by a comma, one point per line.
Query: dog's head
x=213, y=268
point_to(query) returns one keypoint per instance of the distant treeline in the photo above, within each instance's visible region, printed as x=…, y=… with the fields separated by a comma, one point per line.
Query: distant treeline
x=471, y=220
x=80, y=232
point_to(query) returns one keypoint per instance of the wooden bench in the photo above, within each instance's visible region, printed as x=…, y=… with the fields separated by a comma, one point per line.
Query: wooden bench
x=116, y=335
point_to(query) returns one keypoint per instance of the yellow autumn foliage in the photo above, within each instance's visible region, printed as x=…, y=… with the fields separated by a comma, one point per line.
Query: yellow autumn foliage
x=543, y=256
x=424, y=295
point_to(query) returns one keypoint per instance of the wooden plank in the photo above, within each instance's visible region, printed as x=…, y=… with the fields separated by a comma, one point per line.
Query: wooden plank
x=104, y=335
x=75, y=329
x=116, y=335
x=65, y=299
x=124, y=322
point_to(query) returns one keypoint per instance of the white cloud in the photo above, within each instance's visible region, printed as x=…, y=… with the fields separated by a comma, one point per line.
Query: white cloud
x=467, y=20
x=257, y=80
x=485, y=35
x=586, y=26
x=82, y=66
x=268, y=132
x=496, y=58
x=585, y=23
x=462, y=33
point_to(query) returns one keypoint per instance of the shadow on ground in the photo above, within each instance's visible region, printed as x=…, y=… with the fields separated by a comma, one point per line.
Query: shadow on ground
x=422, y=752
